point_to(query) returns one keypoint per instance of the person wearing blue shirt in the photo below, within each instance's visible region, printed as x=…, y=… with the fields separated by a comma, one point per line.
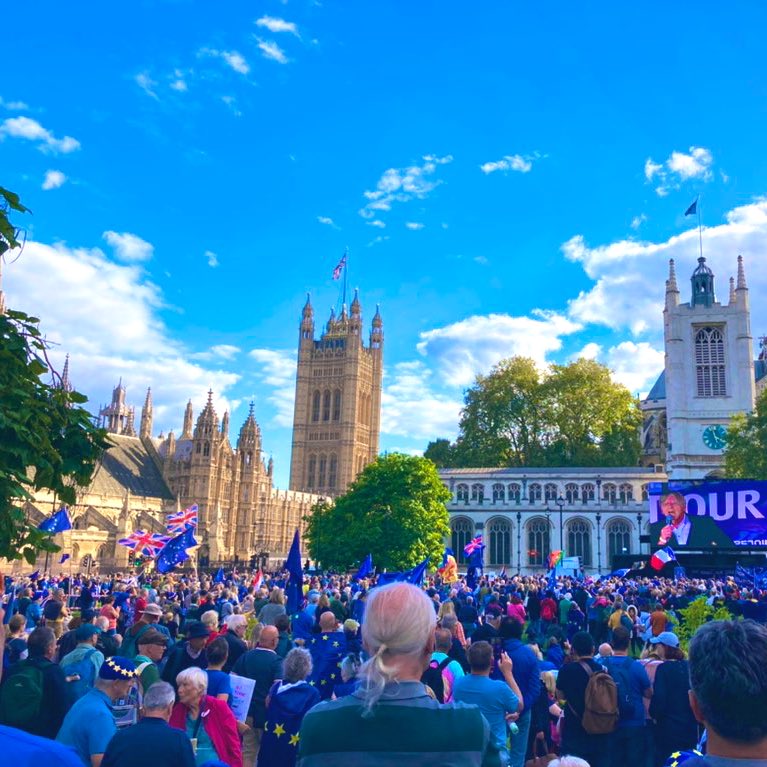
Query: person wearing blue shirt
x=527, y=674
x=497, y=700
x=90, y=724
x=22, y=749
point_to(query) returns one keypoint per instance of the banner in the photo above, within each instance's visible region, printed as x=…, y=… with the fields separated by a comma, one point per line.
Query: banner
x=242, y=694
x=708, y=514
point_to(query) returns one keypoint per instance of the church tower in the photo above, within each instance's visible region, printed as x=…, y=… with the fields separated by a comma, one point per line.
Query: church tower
x=336, y=422
x=709, y=370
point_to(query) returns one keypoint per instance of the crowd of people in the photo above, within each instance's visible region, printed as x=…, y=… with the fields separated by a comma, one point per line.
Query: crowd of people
x=127, y=671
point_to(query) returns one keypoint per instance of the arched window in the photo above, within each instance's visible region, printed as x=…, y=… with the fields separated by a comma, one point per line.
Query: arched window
x=198, y=449
x=462, y=493
x=709, y=362
x=321, y=472
x=515, y=492
x=550, y=492
x=535, y=493
x=316, y=405
x=332, y=471
x=206, y=449
x=499, y=493
x=478, y=493
x=571, y=492
x=579, y=540
x=247, y=458
x=337, y=405
x=461, y=534
x=618, y=538
x=326, y=405
x=587, y=492
x=645, y=492
x=626, y=493
x=610, y=493
x=538, y=541
x=499, y=535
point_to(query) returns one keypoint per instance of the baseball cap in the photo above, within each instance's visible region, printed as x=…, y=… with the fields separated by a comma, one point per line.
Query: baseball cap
x=667, y=638
x=153, y=609
x=86, y=631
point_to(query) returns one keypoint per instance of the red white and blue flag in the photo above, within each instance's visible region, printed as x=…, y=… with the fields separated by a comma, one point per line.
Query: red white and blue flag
x=182, y=520
x=148, y=544
x=473, y=545
x=340, y=268
x=661, y=558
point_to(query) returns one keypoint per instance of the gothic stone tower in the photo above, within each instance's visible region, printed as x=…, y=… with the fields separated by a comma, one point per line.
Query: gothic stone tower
x=337, y=417
x=709, y=370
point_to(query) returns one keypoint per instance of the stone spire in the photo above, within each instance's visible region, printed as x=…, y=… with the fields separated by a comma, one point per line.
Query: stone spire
x=66, y=384
x=130, y=428
x=671, y=285
x=332, y=319
x=356, y=307
x=376, y=334
x=249, y=441
x=186, y=432
x=732, y=290
x=225, y=425
x=741, y=275
x=145, y=431
x=207, y=423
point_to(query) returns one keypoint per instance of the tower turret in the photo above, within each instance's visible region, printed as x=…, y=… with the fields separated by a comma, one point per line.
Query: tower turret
x=225, y=425
x=207, y=423
x=702, y=285
x=376, y=334
x=249, y=442
x=130, y=427
x=186, y=432
x=145, y=431
x=66, y=384
x=672, y=289
x=307, y=321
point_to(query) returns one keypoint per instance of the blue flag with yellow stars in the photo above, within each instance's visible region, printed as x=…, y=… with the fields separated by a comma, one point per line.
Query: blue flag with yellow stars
x=287, y=706
x=328, y=650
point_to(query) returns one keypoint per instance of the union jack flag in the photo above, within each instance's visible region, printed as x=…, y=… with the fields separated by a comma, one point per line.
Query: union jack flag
x=473, y=545
x=148, y=544
x=181, y=520
x=339, y=269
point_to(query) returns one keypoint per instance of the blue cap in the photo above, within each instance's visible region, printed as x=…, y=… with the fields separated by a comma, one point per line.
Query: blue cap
x=668, y=638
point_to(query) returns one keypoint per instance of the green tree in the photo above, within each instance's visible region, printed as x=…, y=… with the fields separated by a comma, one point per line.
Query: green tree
x=695, y=615
x=47, y=441
x=441, y=453
x=746, y=454
x=395, y=510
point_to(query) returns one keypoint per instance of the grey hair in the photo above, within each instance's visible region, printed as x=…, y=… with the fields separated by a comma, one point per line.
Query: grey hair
x=350, y=667
x=569, y=761
x=195, y=676
x=297, y=665
x=159, y=695
x=102, y=622
x=209, y=618
x=448, y=621
x=235, y=620
x=399, y=621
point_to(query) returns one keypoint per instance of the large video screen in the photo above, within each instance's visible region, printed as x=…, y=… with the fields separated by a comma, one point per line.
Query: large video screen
x=708, y=515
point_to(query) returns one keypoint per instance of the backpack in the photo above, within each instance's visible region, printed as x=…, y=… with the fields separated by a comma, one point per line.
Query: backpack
x=21, y=696
x=600, y=702
x=621, y=675
x=432, y=677
x=85, y=672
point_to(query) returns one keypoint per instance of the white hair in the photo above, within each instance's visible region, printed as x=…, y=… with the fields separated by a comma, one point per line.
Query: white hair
x=209, y=618
x=195, y=676
x=569, y=761
x=233, y=621
x=399, y=620
x=159, y=695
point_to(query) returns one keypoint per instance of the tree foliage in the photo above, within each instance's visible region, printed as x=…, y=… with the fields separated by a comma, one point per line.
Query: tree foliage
x=746, y=453
x=567, y=415
x=695, y=615
x=395, y=510
x=47, y=441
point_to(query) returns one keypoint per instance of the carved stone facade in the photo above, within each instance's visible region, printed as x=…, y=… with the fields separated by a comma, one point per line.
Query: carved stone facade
x=337, y=417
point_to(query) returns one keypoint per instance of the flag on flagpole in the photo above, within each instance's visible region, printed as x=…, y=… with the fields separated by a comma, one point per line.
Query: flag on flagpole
x=415, y=576
x=219, y=576
x=174, y=552
x=181, y=520
x=693, y=209
x=661, y=558
x=555, y=557
x=366, y=568
x=338, y=271
x=474, y=544
x=148, y=544
x=64, y=558
x=56, y=523
x=257, y=580
x=295, y=588
x=449, y=568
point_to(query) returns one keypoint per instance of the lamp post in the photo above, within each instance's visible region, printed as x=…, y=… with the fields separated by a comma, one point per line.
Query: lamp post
x=561, y=503
x=545, y=556
x=519, y=543
x=639, y=530
x=599, y=544
x=599, y=489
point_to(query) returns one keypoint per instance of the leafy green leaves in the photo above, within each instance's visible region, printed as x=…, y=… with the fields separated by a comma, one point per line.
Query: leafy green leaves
x=746, y=453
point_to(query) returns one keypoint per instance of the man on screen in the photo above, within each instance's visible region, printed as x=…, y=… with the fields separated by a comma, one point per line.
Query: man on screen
x=676, y=528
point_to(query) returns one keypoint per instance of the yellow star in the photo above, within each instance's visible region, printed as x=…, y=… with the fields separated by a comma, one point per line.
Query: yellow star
x=335, y=644
x=279, y=730
x=294, y=739
x=312, y=683
x=332, y=676
x=325, y=637
x=339, y=664
x=324, y=681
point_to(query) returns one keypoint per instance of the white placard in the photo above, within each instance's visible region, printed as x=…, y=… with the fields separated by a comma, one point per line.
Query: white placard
x=242, y=694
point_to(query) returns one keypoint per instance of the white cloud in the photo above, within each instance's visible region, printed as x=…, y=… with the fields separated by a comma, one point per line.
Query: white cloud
x=481, y=260
x=212, y=259
x=679, y=167
x=234, y=59
x=637, y=221
x=129, y=247
x=276, y=25
x=591, y=351
x=473, y=345
x=178, y=81
x=414, y=225
x=635, y=365
x=403, y=184
x=13, y=106
x=53, y=179
x=377, y=223
x=219, y=351
x=111, y=332
x=516, y=162
x=377, y=240
x=31, y=130
x=278, y=371
x=147, y=84
x=327, y=221
x=271, y=50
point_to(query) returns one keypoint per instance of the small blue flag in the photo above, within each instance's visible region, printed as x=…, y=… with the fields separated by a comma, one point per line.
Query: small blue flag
x=64, y=558
x=415, y=576
x=366, y=568
x=219, y=576
x=295, y=587
x=174, y=552
x=693, y=209
x=35, y=575
x=56, y=523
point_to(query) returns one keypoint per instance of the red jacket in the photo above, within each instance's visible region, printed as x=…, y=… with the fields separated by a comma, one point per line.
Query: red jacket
x=220, y=725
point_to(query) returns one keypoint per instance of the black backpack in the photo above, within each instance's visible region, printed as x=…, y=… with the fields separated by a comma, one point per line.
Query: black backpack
x=432, y=678
x=21, y=696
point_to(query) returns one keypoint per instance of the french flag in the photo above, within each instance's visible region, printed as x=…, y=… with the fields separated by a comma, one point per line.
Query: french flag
x=661, y=558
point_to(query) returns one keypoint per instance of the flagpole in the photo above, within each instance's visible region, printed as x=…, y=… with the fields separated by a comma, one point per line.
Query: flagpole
x=346, y=270
x=700, y=228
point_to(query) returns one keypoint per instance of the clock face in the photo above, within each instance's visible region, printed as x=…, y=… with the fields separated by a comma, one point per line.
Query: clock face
x=715, y=437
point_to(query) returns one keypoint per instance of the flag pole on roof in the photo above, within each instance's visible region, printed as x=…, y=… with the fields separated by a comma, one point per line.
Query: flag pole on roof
x=691, y=211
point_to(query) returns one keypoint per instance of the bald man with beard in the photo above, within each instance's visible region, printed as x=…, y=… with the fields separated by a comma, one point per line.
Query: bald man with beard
x=264, y=666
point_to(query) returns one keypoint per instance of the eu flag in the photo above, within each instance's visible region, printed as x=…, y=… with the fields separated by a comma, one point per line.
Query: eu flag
x=56, y=523
x=219, y=576
x=174, y=551
x=295, y=587
x=366, y=568
x=415, y=576
x=64, y=558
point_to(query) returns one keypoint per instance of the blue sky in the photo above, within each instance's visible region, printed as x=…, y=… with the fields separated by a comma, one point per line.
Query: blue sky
x=507, y=180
